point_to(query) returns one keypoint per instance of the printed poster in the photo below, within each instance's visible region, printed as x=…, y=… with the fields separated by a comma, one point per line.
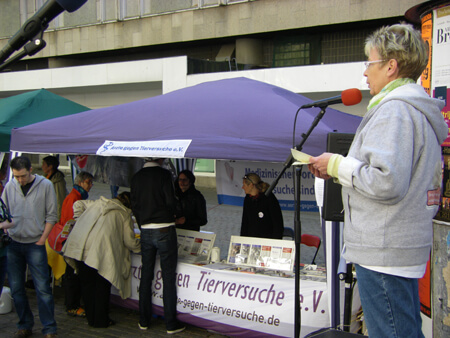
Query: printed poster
x=440, y=66
x=229, y=176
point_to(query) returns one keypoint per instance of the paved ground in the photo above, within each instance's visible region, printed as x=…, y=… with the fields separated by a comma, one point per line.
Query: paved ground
x=126, y=326
x=223, y=220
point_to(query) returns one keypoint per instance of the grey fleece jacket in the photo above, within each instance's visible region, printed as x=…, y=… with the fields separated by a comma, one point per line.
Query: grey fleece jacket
x=30, y=212
x=391, y=180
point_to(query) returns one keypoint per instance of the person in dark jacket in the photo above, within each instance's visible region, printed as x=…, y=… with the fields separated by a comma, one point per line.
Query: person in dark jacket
x=193, y=203
x=262, y=215
x=154, y=205
x=50, y=166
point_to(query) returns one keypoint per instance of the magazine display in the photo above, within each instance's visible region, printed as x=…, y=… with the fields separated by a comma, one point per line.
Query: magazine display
x=261, y=253
x=194, y=246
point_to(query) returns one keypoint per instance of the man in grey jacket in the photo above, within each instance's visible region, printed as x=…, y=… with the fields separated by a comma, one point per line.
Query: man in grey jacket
x=31, y=200
x=391, y=181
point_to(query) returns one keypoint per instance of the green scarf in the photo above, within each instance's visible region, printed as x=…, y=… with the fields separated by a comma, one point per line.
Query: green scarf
x=387, y=89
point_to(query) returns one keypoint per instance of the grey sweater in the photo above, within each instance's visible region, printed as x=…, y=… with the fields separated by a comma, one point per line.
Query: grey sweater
x=391, y=180
x=30, y=212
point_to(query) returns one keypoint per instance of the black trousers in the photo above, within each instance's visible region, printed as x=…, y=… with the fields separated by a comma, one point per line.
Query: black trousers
x=72, y=289
x=95, y=292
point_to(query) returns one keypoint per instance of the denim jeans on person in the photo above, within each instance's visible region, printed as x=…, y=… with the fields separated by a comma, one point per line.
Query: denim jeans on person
x=390, y=304
x=164, y=242
x=19, y=255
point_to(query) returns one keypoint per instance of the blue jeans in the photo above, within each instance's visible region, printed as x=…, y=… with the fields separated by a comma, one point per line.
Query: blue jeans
x=19, y=255
x=163, y=241
x=390, y=304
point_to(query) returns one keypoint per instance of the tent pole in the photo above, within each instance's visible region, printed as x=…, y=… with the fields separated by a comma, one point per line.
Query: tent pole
x=297, y=238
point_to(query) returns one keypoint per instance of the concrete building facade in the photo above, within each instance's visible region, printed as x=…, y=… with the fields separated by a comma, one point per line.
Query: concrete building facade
x=214, y=37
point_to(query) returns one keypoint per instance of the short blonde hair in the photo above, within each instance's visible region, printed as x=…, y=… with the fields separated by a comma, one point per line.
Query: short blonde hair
x=403, y=43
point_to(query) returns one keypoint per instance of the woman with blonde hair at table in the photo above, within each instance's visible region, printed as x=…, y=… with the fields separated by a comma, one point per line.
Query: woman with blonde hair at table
x=261, y=216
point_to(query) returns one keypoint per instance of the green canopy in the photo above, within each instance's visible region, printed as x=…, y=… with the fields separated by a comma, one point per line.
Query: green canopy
x=28, y=108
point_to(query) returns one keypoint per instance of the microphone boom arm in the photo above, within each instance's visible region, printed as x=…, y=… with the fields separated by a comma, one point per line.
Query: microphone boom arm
x=31, y=48
x=299, y=147
x=35, y=25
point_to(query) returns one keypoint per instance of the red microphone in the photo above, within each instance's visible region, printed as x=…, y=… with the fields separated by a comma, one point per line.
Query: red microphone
x=348, y=97
x=351, y=96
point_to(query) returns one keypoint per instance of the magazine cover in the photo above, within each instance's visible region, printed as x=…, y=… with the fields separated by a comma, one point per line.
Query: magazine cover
x=235, y=249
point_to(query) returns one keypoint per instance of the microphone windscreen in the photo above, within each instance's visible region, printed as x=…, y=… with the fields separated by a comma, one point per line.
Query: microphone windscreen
x=351, y=96
x=71, y=5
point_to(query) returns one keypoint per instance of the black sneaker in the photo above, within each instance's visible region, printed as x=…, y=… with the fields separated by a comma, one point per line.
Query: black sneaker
x=177, y=329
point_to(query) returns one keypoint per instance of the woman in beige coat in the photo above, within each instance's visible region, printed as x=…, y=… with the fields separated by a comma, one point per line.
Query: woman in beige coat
x=99, y=250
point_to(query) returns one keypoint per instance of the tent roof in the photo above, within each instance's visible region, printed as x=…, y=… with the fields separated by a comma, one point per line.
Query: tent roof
x=236, y=119
x=31, y=107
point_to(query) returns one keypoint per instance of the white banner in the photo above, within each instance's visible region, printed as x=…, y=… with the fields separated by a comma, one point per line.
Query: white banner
x=163, y=149
x=252, y=302
x=229, y=176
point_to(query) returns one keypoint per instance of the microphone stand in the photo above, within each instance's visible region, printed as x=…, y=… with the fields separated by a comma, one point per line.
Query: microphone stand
x=31, y=48
x=297, y=221
x=349, y=280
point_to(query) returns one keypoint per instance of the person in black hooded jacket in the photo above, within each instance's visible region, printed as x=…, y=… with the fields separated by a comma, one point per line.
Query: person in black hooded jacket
x=192, y=202
x=261, y=216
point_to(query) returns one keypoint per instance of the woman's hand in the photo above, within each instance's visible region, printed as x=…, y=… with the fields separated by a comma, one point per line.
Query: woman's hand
x=318, y=165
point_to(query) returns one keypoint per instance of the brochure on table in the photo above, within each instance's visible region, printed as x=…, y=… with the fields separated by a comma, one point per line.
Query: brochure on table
x=194, y=246
x=262, y=253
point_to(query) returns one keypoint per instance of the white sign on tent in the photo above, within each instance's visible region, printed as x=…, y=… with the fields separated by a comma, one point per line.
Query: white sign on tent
x=168, y=148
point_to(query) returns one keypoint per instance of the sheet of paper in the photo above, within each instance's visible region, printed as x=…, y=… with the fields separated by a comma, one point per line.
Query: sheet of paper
x=300, y=157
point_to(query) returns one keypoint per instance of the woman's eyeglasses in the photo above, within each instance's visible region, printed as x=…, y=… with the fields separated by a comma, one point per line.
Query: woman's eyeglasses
x=368, y=63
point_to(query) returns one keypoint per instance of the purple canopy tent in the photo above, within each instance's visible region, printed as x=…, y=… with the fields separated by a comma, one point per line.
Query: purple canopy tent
x=235, y=119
